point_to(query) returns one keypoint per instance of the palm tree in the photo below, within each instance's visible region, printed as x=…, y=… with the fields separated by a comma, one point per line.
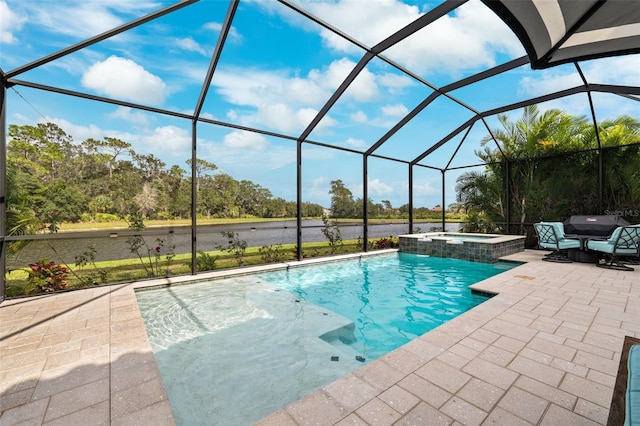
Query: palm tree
x=521, y=142
x=482, y=197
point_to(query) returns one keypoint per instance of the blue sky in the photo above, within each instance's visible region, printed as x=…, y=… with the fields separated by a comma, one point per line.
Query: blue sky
x=275, y=73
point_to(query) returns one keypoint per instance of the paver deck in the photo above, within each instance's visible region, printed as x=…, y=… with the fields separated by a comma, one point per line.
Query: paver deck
x=544, y=351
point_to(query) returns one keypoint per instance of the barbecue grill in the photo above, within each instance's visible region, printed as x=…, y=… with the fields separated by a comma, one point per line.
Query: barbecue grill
x=595, y=226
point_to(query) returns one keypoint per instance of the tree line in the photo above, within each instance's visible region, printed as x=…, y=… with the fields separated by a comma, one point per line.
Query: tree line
x=50, y=179
x=344, y=205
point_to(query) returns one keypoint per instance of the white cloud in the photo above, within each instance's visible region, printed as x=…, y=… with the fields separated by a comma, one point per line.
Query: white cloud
x=167, y=139
x=615, y=70
x=320, y=182
x=471, y=37
x=362, y=89
x=245, y=140
x=78, y=133
x=314, y=152
x=124, y=79
x=83, y=19
x=395, y=83
x=370, y=24
x=620, y=70
x=359, y=117
x=281, y=117
x=189, y=44
x=379, y=188
x=287, y=101
x=356, y=143
x=284, y=101
x=318, y=191
x=247, y=154
x=254, y=87
x=397, y=110
x=243, y=86
x=234, y=36
x=163, y=142
x=424, y=188
x=10, y=23
x=375, y=188
x=129, y=115
x=548, y=81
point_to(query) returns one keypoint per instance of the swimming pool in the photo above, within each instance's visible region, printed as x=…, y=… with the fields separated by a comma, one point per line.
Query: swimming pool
x=232, y=351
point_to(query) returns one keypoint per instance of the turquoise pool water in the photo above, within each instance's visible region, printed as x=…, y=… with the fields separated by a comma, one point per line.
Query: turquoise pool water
x=391, y=299
x=232, y=351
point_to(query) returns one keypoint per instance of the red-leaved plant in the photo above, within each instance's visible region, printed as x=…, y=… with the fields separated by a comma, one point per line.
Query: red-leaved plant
x=46, y=276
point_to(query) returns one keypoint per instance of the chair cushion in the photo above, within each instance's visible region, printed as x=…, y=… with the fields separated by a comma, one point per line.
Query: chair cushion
x=568, y=243
x=632, y=415
x=609, y=245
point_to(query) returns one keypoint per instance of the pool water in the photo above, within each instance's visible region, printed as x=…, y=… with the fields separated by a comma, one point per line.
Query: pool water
x=232, y=351
x=391, y=299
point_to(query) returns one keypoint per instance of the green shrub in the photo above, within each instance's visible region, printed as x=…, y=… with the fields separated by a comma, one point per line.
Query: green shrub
x=236, y=247
x=205, y=262
x=106, y=217
x=271, y=254
x=331, y=232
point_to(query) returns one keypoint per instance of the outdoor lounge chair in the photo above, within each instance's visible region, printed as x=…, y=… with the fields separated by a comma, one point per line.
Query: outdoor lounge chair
x=551, y=237
x=623, y=243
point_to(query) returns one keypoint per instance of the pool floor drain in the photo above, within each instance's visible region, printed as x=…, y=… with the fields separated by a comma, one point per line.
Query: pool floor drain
x=335, y=358
x=359, y=358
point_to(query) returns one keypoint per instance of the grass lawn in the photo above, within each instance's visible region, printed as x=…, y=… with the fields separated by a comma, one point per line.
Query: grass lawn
x=18, y=282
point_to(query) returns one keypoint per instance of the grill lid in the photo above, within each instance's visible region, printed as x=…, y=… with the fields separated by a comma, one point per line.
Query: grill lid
x=600, y=226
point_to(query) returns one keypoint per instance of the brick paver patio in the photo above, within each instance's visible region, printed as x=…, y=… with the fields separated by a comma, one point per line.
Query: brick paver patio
x=544, y=351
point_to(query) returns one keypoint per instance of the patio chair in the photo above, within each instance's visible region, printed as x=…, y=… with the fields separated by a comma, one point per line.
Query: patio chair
x=551, y=237
x=615, y=252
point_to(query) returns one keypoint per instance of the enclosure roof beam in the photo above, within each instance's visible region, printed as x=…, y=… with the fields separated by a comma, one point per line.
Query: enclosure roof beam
x=458, y=147
x=424, y=20
x=443, y=90
x=336, y=95
x=82, y=95
x=495, y=111
x=215, y=57
x=445, y=139
x=99, y=37
x=379, y=55
x=323, y=24
x=398, y=36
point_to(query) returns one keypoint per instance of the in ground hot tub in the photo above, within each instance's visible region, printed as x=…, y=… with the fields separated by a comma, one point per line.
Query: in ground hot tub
x=477, y=247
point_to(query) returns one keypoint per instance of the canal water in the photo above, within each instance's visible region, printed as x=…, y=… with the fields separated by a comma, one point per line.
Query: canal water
x=113, y=246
